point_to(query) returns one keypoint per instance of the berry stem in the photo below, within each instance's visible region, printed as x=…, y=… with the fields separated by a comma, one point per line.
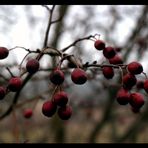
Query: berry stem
x=145, y=75
x=10, y=72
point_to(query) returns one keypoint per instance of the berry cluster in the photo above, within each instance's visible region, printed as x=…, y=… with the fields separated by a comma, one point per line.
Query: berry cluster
x=124, y=94
x=59, y=101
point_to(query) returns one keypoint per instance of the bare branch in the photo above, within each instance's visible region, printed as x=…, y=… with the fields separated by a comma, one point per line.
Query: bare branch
x=48, y=27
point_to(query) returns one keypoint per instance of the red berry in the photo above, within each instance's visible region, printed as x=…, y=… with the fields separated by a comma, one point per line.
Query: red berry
x=108, y=72
x=4, y=52
x=99, y=45
x=2, y=92
x=57, y=77
x=27, y=113
x=136, y=100
x=49, y=108
x=123, y=97
x=146, y=85
x=65, y=112
x=116, y=60
x=109, y=52
x=135, y=68
x=78, y=76
x=14, y=84
x=140, y=85
x=60, y=98
x=129, y=81
x=32, y=66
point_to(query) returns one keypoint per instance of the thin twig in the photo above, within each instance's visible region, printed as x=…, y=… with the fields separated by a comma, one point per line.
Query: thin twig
x=75, y=42
x=11, y=74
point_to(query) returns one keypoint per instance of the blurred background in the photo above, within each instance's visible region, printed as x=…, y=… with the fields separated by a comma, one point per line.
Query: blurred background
x=97, y=117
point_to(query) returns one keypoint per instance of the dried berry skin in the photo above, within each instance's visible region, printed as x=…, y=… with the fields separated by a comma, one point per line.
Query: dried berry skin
x=2, y=92
x=109, y=52
x=27, y=113
x=146, y=85
x=99, y=45
x=57, y=77
x=135, y=68
x=4, y=52
x=60, y=98
x=49, y=108
x=108, y=72
x=65, y=112
x=78, y=76
x=116, y=60
x=136, y=100
x=123, y=97
x=129, y=81
x=32, y=66
x=14, y=84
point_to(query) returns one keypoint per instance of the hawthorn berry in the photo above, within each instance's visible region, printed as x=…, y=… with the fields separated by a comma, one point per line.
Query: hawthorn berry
x=27, y=113
x=135, y=68
x=129, y=81
x=32, y=66
x=108, y=72
x=109, y=52
x=123, y=96
x=2, y=92
x=60, y=98
x=4, y=52
x=136, y=100
x=14, y=84
x=49, y=108
x=57, y=77
x=116, y=60
x=78, y=76
x=146, y=85
x=65, y=112
x=99, y=44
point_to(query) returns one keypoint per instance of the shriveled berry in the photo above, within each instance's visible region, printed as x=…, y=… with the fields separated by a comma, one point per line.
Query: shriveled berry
x=99, y=44
x=65, y=112
x=60, y=98
x=136, y=100
x=27, y=113
x=129, y=81
x=2, y=92
x=116, y=60
x=14, y=84
x=57, y=77
x=123, y=97
x=135, y=110
x=4, y=52
x=140, y=84
x=146, y=85
x=118, y=49
x=32, y=66
x=78, y=76
x=135, y=68
x=109, y=52
x=108, y=72
x=49, y=108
